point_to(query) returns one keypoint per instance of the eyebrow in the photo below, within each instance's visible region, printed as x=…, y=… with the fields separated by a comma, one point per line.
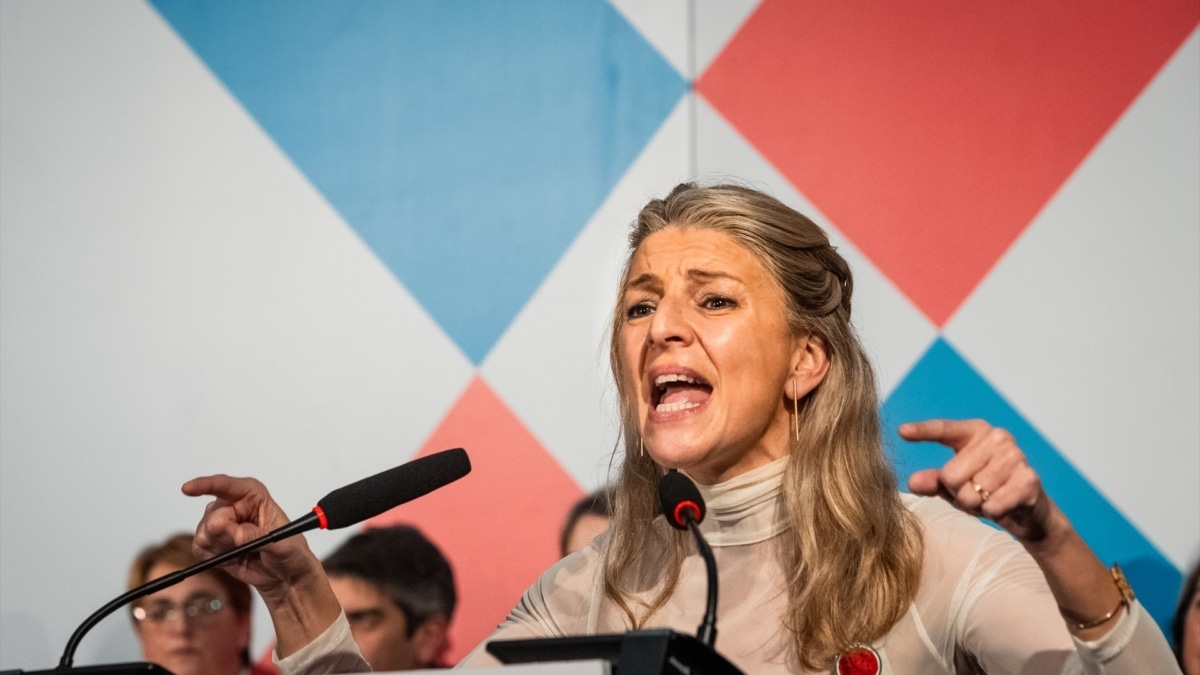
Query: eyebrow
x=641, y=280
x=198, y=595
x=705, y=275
x=648, y=279
x=364, y=613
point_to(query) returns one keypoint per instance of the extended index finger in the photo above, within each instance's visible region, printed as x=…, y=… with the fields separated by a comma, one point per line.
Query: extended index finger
x=956, y=434
x=229, y=488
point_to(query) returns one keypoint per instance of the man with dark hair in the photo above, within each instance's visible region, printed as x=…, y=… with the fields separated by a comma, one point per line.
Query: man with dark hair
x=397, y=590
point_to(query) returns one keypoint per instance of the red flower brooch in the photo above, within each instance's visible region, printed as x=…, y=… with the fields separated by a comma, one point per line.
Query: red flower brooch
x=858, y=660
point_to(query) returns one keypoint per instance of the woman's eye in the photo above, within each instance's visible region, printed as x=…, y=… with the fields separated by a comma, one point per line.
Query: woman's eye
x=639, y=310
x=718, y=302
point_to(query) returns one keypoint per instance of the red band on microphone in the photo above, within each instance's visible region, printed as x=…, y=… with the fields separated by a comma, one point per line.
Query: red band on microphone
x=686, y=504
x=321, y=519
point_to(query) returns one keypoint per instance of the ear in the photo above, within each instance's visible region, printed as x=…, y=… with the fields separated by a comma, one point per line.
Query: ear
x=429, y=642
x=810, y=364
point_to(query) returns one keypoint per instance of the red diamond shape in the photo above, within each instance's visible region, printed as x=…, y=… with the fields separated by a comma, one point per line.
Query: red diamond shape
x=932, y=133
x=499, y=525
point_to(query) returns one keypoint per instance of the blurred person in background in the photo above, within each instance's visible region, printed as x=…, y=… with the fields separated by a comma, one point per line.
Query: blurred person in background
x=200, y=626
x=397, y=590
x=586, y=520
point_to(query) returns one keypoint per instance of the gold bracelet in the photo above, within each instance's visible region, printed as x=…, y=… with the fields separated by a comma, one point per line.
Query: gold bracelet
x=1127, y=597
x=1102, y=620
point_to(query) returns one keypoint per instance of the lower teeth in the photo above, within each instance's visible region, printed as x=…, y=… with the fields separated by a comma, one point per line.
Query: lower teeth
x=672, y=407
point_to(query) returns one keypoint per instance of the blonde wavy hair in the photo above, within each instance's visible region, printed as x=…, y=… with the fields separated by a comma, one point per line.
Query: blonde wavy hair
x=852, y=543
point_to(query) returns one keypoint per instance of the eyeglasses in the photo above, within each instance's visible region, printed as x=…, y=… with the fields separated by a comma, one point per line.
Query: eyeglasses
x=198, y=609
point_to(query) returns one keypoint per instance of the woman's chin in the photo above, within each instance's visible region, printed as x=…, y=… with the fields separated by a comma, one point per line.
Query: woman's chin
x=185, y=664
x=192, y=660
x=686, y=459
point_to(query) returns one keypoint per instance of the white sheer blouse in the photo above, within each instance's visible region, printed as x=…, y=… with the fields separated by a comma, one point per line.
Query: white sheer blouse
x=983, y=604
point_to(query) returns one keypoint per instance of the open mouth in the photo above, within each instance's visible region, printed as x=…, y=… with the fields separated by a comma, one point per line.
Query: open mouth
x=673, y=392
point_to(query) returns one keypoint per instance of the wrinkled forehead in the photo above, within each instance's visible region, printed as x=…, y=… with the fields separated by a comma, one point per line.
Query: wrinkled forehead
x=686, y=250
x=200, y=584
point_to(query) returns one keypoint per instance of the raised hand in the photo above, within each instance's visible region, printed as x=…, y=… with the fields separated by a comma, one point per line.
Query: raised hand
x=242, y=511
x=988, y=476
x=286, y=573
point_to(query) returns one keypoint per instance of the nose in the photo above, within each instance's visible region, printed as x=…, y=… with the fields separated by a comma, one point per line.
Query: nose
x=178, y=622
x=669, y=323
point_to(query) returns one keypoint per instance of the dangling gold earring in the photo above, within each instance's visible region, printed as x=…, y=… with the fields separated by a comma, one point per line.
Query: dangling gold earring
x=641, y=447
x=796, y=409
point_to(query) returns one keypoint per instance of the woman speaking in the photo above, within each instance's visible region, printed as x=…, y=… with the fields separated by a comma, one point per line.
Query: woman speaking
x=736, y=363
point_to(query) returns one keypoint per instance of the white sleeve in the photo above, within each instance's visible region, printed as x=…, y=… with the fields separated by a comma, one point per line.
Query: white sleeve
x=1134, y=645
x=1004, y=617
x=334, y=651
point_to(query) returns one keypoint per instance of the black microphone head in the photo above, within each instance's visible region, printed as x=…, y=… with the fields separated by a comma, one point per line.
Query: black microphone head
x=373, y=495
x=680, y=500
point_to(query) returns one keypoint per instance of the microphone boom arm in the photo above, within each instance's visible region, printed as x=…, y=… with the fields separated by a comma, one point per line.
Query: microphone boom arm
x=303, y=524
x=344, y=506
x=707, y=632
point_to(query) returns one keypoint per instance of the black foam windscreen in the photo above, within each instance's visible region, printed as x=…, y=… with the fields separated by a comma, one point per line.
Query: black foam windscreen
x=373, y=495
x=677, y=495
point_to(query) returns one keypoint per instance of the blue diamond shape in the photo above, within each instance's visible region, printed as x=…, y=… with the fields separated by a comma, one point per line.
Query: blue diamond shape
x=467, y=142
x=943, y=384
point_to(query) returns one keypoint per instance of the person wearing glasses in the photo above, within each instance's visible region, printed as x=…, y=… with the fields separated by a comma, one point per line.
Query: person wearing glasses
x=200, y=626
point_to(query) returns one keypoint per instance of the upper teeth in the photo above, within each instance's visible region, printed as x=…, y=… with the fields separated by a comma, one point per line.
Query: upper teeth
x=674, y=377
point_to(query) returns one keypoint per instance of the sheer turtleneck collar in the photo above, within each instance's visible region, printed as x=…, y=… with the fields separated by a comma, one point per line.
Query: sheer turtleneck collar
x=745, y=509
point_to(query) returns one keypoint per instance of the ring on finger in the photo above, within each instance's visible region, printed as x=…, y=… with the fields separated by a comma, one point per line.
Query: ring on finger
x=979, y=490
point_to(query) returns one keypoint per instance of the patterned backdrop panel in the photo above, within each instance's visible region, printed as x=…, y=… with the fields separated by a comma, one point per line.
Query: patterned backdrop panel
x=308, y=241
